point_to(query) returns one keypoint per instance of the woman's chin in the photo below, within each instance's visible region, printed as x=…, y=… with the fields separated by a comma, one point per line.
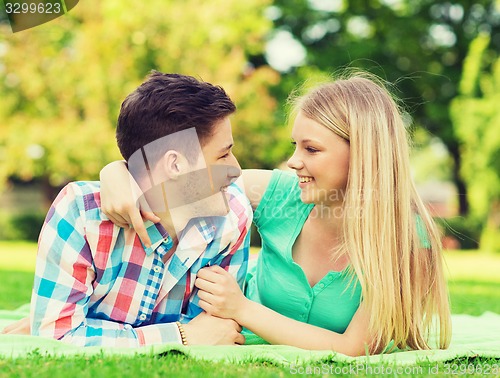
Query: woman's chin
x=306, y=199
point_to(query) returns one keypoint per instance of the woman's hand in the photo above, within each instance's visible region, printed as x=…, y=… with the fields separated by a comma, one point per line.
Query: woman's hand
x=122, y=202
x=220, y=294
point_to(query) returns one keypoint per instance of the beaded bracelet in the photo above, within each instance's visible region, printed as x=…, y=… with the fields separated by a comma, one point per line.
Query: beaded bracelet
x=182, y=332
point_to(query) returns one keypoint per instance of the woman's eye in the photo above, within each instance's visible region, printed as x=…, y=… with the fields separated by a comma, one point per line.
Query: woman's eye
x=224, y=156
x=311, y=149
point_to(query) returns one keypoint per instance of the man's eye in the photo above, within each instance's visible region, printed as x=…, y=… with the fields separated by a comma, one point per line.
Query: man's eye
x=224, y=156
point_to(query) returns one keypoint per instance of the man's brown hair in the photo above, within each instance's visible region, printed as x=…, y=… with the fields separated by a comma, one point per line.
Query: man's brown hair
x=167, y=103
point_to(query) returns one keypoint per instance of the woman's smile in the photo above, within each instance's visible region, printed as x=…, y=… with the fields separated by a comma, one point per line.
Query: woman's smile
x=305, y=180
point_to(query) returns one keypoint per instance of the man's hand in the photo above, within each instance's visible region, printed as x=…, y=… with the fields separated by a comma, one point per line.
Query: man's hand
x=21, y=327
x=209, y=330
x=220, y=294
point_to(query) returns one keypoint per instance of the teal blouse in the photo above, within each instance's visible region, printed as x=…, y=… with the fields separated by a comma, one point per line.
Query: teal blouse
x=278, y=282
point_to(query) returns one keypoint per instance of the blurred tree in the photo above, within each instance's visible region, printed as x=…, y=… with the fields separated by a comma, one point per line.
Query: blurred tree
x=62, y=83
x=476, y=119
x=421, y=44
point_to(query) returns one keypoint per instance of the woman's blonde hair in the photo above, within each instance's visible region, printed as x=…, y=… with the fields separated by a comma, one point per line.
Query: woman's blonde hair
x=392, y=242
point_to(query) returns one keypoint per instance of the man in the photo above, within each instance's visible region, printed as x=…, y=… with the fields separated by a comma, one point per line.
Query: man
x=96, y=283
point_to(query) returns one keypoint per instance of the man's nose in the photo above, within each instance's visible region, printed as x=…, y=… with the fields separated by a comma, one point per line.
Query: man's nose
x=234, y=162
x=223, y=175
x=233, y=172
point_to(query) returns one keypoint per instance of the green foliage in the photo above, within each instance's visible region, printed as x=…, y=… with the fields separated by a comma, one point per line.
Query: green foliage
x=476, y=118
x=62, y=83
x=424, y=41
x=28, y=225
x=23, y=226
x=466, y=230
x=418, y=44
x=429, y=158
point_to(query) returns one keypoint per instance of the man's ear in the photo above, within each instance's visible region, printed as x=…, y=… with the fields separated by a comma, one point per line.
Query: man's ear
x=173, y=164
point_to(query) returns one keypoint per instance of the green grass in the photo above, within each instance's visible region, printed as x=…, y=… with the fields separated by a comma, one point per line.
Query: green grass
x=17, y=256
x=17, y=264
x=37, y=366
x=474, y=285
x=473, y=281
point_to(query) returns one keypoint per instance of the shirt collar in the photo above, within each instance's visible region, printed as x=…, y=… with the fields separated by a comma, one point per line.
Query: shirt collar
x=205, y=227
x=157, y=234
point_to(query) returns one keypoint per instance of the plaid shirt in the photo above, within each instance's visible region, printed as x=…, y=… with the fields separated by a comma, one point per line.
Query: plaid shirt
x=96, y=284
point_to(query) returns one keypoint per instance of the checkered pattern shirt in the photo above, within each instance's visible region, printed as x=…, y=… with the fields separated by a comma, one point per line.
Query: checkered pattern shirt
x=97, y=285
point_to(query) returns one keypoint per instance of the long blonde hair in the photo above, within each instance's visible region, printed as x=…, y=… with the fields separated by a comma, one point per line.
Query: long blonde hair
x=400, y=269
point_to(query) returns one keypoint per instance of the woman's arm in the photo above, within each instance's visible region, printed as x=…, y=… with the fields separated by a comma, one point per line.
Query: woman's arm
x=256, y=182
x=278, y=329
x=220, y=296
x=119, y=192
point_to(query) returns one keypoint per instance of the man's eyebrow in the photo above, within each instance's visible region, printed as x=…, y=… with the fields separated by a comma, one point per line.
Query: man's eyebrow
x=228, y=147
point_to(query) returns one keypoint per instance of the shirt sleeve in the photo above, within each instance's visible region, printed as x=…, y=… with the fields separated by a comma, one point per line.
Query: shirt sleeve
x=63, y=287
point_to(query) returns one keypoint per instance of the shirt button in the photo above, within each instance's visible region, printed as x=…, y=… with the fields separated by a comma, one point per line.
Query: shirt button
x=142, y=317
x=157, y=269
x=321, y=285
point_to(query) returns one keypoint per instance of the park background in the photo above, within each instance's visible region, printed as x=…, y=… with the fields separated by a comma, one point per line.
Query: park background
x=62, y=83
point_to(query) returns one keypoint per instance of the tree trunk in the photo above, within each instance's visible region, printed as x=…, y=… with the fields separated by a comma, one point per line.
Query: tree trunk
x=463, y=202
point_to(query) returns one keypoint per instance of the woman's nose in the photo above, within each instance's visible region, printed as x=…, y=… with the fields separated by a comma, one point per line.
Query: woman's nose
x=294, y=162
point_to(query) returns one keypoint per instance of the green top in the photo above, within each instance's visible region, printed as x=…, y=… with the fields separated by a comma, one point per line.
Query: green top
x=281, y=284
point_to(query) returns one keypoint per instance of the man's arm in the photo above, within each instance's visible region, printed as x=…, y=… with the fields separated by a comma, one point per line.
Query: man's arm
x=63, y=285
x=63, y=288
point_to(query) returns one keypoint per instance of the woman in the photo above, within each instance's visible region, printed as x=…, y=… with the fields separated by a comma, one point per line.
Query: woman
x=351, y=260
